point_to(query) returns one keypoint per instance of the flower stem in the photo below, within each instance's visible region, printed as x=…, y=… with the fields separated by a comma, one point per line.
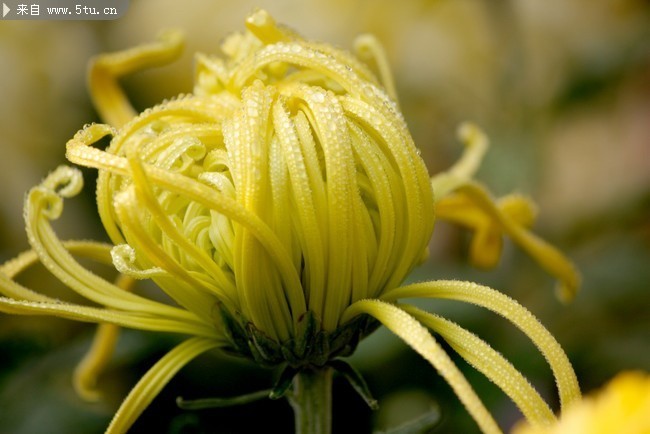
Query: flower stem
x=312, y=400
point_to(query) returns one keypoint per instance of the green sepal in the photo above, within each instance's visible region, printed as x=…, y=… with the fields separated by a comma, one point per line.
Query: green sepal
x=234, y=331
x=356, y=381
x=307, y=328
x=288, y=354
x=345, y=339
x=284, y=382
x=321, y=353
x=203, y=403
x=265, y=351
x=310, y=346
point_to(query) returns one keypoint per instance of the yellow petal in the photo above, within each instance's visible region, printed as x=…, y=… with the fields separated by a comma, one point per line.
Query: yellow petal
x=505, y=306
x=491, y=363
x=418, y=338
x=150, y=385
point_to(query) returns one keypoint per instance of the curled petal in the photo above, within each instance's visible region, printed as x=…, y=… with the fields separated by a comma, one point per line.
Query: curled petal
x=487, y=242
x=44, y=204
x=109, y=99
x=64, y=181
x=144, y=192
x=125, y=262
x=549, y=257
x=511, y=218
x=476, y=144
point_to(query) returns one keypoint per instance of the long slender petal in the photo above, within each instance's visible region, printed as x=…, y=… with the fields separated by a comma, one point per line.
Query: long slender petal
x=491, y=363
x=248, y=144
x=89, y=368
x=326, y=118
x=418, y=337
x=97, y=251
x=511, y=310
x=97, y=315
x=370, y=49
x=309, y=209
x=154, y=380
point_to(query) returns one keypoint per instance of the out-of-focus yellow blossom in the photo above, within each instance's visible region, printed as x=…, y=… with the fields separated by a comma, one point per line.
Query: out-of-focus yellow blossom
x=621, y=407
x=281, y=206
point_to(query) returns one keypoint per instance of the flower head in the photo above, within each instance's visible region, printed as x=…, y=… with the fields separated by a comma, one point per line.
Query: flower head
x=280, y=205
x=287, y=183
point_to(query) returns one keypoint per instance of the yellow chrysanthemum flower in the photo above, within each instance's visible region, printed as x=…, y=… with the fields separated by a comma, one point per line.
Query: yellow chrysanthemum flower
x=622, y=407
x=280, y=206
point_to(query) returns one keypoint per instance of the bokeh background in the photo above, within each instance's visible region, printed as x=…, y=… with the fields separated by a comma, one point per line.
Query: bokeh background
x=562, y=87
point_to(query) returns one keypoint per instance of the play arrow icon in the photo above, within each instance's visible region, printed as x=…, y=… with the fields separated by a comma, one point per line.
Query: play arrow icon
x=5, y=10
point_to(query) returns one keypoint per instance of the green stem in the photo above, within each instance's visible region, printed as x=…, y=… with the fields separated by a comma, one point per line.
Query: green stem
x=312, y=400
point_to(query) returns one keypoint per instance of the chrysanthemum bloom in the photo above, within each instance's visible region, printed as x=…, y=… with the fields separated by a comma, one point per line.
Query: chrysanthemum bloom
x=622, y=407
x=280, y=206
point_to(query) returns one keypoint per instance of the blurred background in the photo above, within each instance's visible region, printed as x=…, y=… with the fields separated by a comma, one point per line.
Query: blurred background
x=562, y=87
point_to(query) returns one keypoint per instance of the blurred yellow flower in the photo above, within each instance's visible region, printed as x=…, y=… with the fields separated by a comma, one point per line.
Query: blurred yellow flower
x=621, y=407
x=280, y=206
